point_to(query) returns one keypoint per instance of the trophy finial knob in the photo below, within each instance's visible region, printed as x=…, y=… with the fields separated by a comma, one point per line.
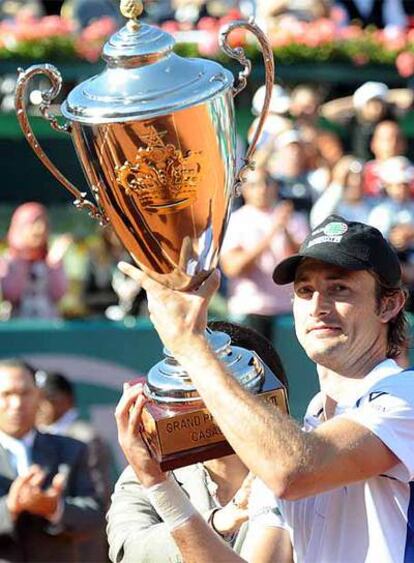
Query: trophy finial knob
x=132, y=9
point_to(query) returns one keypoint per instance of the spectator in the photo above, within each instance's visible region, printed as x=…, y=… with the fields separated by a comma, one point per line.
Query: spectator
x=305, y=102
x=381, y=13
x=10, y=9
x=190, y=11
x=397, y=208
x=324, y=150
x=387, y=141
x=276, y=121
x=262, y=232
x=84, y=12
x=135, y=530
x=289, y=167
x=268, y=11
x=158, y=11
x=58, y=415
x=32, y=276
x=47, y=498
x=370, y=104
x=106, y=291
x=394, y=216
x=344, y=196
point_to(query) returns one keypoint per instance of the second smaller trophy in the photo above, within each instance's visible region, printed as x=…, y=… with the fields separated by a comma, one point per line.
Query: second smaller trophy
x=178, y=429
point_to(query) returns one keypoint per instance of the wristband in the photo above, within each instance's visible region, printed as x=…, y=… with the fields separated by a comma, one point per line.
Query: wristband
x=171, y=503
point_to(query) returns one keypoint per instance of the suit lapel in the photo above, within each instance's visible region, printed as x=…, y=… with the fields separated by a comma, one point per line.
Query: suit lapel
x=7, y=472
x=6, y=467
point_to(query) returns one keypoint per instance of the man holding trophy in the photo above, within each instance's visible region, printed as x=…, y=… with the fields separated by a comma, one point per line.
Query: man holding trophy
x=339, y=490
x=155, y=134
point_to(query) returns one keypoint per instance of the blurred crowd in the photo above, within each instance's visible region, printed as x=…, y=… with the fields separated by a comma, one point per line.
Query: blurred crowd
x=381, y=13
x=49, y=277
x=348, y=156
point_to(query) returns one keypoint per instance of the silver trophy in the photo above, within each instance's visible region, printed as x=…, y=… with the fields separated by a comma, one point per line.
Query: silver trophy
x=155, y=135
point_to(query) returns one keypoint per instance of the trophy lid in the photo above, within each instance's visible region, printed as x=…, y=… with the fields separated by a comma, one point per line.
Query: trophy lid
x=168, y=382
x=144, y=78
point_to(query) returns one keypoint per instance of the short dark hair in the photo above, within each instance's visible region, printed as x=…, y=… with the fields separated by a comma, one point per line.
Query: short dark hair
x=54, y=383
x=18, y=363
x=251, y=339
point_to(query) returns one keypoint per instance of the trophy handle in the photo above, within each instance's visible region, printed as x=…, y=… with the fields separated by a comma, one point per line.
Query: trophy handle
x=239, y=54
x=47, y=96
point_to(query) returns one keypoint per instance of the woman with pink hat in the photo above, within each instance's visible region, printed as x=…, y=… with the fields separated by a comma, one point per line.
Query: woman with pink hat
x=31, y=275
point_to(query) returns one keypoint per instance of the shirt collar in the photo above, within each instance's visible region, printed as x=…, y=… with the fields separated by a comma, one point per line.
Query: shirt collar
x=384, y=369
x=60, y=425
x=13, y=444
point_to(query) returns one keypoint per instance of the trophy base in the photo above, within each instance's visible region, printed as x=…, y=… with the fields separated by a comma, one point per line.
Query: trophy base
x=179, y=435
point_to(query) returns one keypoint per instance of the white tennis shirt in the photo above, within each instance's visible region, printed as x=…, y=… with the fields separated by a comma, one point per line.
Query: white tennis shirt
x=370, y=521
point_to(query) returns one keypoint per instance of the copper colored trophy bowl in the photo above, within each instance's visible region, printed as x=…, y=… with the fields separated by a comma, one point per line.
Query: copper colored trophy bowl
x=165, y=186
x=155, y=135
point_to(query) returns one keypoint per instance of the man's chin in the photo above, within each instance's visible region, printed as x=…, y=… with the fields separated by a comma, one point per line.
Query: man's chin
x=323, y=353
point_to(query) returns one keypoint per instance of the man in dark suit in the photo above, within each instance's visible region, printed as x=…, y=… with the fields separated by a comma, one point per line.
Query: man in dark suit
x=58, y=414
x=47, y=499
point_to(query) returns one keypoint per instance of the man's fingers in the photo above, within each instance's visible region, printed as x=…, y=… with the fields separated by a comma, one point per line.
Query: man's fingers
x=138, y=275
x=58, y=483
x=210, y=285
x=131, y=271
x=35, y=476
x=135, y=416
x=129, y=396
x=37, y=480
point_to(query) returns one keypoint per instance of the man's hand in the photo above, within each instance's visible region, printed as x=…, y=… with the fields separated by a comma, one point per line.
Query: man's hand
x=177, y=316
x=21, y=488
x=228, y=519
x=46, y=503
x=26, y=494
x=128, y=415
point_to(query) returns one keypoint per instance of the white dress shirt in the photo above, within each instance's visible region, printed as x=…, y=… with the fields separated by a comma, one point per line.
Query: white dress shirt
x=20, y=450
x=60, y=425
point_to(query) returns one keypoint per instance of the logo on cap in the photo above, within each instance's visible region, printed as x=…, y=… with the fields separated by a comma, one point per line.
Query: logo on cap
x=335, y=229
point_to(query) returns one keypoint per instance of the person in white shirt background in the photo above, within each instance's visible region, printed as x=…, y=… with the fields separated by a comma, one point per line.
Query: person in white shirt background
x=341, y=488
x=260, y=233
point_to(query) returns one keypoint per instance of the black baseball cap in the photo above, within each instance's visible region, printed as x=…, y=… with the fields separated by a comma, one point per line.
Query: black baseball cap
x=348, y=244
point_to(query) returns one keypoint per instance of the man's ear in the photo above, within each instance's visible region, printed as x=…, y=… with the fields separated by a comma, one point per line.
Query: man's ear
x=391, y=305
